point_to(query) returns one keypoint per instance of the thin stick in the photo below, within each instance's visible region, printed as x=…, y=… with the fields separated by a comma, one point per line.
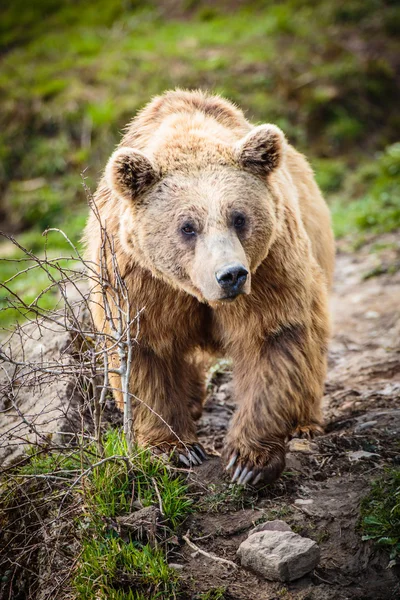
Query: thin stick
x=158, y=496
x=208, y=554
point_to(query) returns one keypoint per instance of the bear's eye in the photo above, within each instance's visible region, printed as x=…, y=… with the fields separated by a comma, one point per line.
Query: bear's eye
x=188, y=229
x=239, y=222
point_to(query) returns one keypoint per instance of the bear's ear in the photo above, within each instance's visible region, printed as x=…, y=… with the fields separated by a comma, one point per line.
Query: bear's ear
x=130, y=173
x=261, y=150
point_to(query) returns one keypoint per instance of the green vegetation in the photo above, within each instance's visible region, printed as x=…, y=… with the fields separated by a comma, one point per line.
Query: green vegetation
x=112, y=564
x=105, y=560
x=376, y=185
x=72, y=76
x=224, y=499
x=33, y=282
x=215, y=594
x=380, y=513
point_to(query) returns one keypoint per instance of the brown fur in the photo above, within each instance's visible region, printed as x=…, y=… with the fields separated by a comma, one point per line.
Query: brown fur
x=194, y=151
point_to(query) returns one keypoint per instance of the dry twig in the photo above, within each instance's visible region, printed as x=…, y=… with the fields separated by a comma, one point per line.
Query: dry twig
x=208, y=554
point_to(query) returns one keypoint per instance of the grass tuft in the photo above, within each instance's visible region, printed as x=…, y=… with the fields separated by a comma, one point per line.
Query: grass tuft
x=380, y=513
x=112, y=568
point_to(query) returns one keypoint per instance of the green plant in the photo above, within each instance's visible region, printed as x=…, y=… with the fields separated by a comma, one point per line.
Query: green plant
x=222, y=499
x=109, y=490
x=103, y=486
x=108, y=567
x=380, y=513
x=214, y=594
x=375, y=192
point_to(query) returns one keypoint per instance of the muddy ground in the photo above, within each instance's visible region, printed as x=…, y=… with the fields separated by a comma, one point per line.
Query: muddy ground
x=362, y=412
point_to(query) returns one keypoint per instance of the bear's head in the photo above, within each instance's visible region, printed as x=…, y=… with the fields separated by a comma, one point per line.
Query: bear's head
x=199, y=213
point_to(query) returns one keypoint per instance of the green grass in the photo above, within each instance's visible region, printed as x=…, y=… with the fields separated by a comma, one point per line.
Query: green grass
x=34, y=284
x=107, y=562
x=110, y=565
x=376, y=189
x=40, y=462
x=215, y=594
x=224, y=498
x=380, y=513
x=110, y=488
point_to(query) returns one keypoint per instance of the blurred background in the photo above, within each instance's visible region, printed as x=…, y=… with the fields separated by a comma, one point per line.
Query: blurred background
x=72, y=75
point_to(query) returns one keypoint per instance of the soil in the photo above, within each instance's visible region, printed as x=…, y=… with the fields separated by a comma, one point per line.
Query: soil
x=362, y=413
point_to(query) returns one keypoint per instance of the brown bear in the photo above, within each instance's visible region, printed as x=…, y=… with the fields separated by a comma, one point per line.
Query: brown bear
x=225, y=242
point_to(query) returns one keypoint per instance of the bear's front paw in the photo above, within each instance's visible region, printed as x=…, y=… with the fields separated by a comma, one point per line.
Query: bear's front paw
x=189, y=455
x=263, y=462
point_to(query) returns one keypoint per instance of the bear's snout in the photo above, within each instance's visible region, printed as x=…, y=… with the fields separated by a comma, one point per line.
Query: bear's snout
x=232, y=279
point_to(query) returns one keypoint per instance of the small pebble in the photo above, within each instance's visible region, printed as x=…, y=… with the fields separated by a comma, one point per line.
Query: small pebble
x=347, y=405
x=299, y=445
x=176, y=566
x=360, y=454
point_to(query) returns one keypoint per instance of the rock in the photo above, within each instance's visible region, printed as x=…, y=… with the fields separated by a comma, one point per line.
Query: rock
x=347, y=405
x=44, y=398
x=271, y=526
x=360, y=454
x=300, y=445
x=142, y=524
x=303, y=501
x=176, y=566
x=41, y=396
x=279, y=555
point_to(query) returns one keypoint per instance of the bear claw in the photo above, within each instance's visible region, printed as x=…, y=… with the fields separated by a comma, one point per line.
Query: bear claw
x=188, y=455
x=184, y=460
x=200, y=451
x=242, y=476
x=265, y=468
x=232, y=461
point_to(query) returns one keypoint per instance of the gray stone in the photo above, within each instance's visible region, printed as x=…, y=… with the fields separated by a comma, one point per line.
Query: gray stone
x=142, y=524
x=360, y=454
x=276, y=525
x=279, y=555
x=176, y=566
x=41, y=398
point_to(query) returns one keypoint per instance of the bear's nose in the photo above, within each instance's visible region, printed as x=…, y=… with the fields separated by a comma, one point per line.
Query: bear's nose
x=232, y=278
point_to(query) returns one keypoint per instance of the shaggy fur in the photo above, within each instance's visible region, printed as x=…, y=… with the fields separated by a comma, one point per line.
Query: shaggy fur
x=192, y=160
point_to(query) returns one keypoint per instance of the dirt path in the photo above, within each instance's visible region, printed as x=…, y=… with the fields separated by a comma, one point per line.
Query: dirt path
x=362, y=409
